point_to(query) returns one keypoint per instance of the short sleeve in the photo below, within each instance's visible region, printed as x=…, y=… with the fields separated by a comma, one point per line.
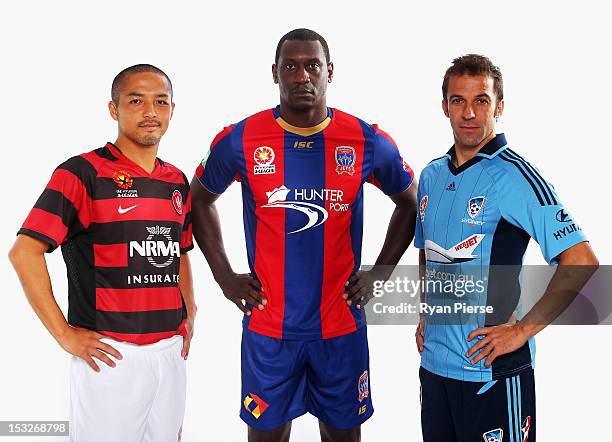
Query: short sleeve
x=530, y=202
x=419, y=240
x=64, y=209
x=219, y=167
x=390, y=172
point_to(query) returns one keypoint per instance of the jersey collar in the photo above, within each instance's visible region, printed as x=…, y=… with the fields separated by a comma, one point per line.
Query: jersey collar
x=488, y=151
x=303, y=131
x=114, y=153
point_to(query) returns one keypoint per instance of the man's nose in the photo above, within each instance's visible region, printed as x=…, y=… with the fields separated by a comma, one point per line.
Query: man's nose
x=149, y=109
x=468, y=112
x=302, y=75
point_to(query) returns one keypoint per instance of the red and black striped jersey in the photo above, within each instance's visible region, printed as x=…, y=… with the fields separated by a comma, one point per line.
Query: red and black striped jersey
x=122, y=231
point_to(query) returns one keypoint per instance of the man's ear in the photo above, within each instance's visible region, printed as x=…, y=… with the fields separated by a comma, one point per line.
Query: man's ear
x=275, y=73
x=500, y=109
x=112, y=108
x=445, y=108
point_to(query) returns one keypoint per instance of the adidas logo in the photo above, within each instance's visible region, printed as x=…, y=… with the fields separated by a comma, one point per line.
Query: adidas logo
x=451, y=187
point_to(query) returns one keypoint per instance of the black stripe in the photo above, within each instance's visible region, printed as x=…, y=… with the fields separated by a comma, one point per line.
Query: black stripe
x=516, y=164
x=33, y=233
x=117, y=277
x=106, y=188
x=533, y=176
x=83, y=170
x=186, y=249
x=117, y=232
x=187, y=221
x=534, y=170
x=55, y=202
x=139, y=322
x=104, y=152
x=79, y=258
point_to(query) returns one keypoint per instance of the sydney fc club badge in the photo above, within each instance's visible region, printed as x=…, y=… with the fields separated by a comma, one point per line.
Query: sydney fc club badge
x=345, y=160
x=475, y=206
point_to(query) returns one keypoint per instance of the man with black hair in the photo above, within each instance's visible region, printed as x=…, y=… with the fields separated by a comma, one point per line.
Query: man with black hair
x=479, y=206
x=302, y=167
x=122, y=218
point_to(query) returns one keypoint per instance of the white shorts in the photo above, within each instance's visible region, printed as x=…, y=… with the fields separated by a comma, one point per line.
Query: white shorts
x=141, y=399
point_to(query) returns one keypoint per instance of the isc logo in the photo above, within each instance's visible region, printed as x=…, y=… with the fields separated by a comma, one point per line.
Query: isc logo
x=303, y=144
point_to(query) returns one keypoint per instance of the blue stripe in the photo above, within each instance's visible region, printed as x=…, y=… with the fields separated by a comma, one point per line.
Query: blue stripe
x=304, y=172
x=519, y=166
x=517, y=425
x=486, y=387
x=537, y=174
x=518, y=381
x=509, y=400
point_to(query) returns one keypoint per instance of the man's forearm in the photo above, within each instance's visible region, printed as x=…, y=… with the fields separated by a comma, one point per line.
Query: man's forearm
x=186, y=286
x=564, y=286
x=207, y=233
x=399, y=236
x=576, y=266
x=34, y=276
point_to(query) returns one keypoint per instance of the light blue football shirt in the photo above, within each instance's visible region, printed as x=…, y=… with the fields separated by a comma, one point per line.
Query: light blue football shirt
x=474, y=223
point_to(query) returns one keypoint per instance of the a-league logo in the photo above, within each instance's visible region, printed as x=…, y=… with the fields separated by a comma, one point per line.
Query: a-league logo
x=423, y=206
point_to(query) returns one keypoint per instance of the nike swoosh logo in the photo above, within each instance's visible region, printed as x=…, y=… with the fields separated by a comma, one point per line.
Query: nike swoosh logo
x=121, y=210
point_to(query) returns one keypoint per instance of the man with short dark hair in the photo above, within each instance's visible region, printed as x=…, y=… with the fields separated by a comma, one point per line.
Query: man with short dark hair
x=302, y=167
x=122, y=218
x=479, y=206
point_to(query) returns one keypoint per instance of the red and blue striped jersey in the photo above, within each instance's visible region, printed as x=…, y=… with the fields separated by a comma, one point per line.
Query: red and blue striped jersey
x=122, y=231
x=302, y=193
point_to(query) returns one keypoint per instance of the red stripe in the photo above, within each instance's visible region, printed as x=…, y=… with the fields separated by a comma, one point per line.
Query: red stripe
x=392, y=141
x=262, y=130
x=149, y=209
x=199, y=171
x=138, y=300
x=339, y=260
x=94, y=159
x=46, y=223
x=144, y=338
x=110, y=255
x=69, y=185
x=186, y=238
x=168, y=174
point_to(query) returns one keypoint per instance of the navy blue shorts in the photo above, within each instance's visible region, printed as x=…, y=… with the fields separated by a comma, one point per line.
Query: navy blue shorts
x=283, y=379
x=462, y=411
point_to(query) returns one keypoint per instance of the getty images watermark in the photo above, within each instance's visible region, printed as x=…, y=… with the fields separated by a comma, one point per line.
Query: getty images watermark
x=490, y=295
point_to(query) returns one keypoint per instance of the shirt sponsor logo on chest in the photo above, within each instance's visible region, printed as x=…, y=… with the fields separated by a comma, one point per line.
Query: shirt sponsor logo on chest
x=299, y=200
